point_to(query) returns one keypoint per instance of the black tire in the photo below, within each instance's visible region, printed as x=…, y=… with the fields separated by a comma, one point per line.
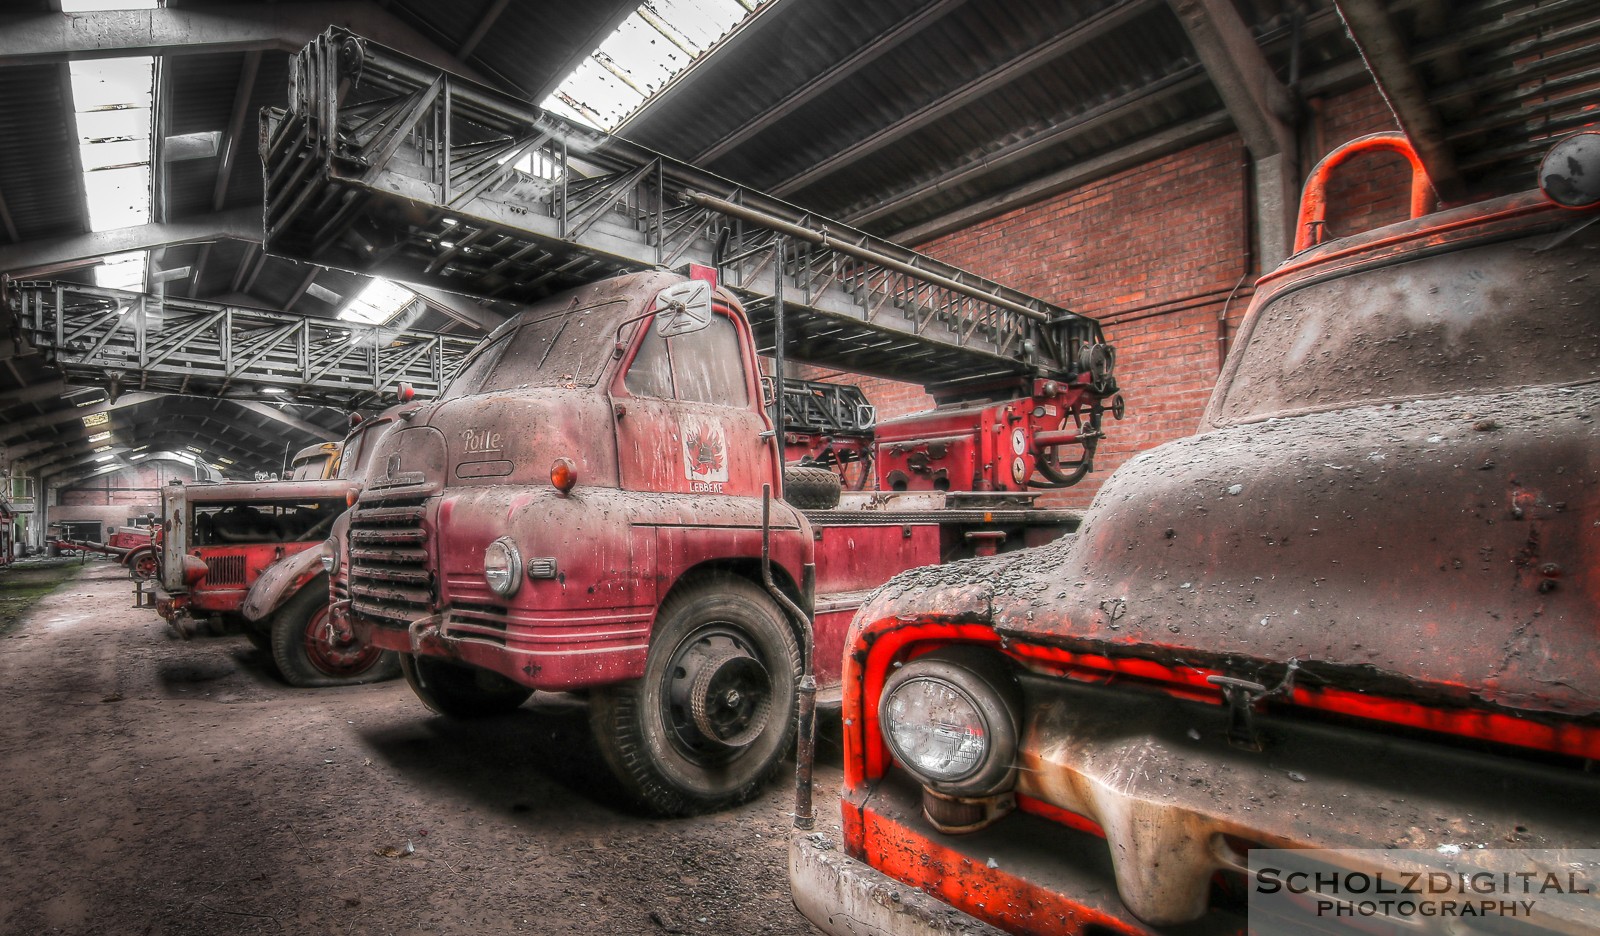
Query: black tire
x=310, y=657
x=811, y=488
x=720, y=640
x=461, y=691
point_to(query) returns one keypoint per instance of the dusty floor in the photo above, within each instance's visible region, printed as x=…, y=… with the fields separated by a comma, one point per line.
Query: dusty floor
x=159, y=787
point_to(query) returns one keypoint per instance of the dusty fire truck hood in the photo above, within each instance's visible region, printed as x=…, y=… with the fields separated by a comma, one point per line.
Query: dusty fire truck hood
x=506, y=437
x=1446, y=549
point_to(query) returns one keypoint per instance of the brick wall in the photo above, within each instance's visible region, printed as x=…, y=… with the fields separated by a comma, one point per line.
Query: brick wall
x=1159, y=254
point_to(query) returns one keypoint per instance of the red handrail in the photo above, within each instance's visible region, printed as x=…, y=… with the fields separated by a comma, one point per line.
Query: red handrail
x=1314, y=199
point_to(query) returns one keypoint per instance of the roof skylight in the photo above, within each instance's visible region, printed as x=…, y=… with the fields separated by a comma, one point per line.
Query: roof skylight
x=95, y=6
x=656, y=42
x=379, y=302
x=111, y=99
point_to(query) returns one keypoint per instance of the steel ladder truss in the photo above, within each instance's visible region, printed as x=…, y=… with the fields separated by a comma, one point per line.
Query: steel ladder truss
x=387, y=166
x=134, y=341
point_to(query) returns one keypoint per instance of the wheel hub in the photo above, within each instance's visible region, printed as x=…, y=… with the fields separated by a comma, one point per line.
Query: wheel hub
x=334, y=650
x=726, y=692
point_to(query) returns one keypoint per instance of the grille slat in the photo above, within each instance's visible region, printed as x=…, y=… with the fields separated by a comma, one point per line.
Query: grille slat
x=387, y=536
x=409, y=557
x=225, y=570
x=391, y=580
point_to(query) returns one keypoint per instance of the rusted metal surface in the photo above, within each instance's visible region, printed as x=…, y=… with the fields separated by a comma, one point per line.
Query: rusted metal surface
x=219, y=540
x=1387, y=526
x=1309, y=223
x=664, y=487
x=1427, y=535
x=281, y=580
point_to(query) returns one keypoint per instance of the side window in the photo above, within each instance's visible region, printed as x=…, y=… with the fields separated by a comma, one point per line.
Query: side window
x=651, y=372
x=706, y=366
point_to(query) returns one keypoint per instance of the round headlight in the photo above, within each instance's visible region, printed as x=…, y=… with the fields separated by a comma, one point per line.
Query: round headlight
x=502, y=567
x=330, y=560
x=951, y=719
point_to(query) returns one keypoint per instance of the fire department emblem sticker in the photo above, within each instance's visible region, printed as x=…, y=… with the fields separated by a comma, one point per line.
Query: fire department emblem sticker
x=705, y=455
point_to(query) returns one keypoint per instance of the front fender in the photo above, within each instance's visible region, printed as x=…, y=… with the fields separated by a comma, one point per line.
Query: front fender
x=283, y=580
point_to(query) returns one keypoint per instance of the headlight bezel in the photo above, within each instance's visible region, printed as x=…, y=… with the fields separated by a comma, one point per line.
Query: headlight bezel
x=982, y=681
x=512, y=573
x=330, y=561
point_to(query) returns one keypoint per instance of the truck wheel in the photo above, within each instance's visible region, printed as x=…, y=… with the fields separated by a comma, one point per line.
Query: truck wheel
x=461, y=691
x=143, y=566
x=310, y=656
x=714, y=714
x=811, y=488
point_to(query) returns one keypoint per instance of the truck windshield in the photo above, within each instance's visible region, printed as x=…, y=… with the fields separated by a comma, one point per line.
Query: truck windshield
x=569, y=347
x=1474, y=321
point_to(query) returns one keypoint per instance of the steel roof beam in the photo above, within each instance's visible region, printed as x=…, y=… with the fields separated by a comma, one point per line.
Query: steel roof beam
x=21, y=428
x=1077, y=37
x=290, y=420
x=481, y=29
x=67, y=456
x=236, y=137
x=12, y=454
x=305, y=284
x=32, y=38
x=809, y=91
x=48, y=390
x=1261, y=107
x=42, y=257
x=458, y=308
x=1384, y=50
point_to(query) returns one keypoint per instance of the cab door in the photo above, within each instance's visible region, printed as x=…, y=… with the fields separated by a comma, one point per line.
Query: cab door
x=687, y=412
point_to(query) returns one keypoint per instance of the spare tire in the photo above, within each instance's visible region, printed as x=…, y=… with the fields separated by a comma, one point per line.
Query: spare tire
x=811, y=488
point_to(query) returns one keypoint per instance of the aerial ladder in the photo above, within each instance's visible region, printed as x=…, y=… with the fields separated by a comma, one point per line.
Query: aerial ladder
x=387, y=166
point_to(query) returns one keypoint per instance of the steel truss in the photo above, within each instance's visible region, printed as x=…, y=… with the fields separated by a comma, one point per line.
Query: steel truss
x=387, y=166
x=140, y=342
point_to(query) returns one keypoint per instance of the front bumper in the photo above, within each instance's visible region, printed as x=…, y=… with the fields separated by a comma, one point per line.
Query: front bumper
x=561, y=666
x=846, y=897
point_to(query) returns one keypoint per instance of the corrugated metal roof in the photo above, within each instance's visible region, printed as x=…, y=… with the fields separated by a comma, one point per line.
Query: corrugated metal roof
x=931, y=105
x=43, y=193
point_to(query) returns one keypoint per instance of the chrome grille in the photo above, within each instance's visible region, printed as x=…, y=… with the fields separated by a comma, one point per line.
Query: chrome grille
x=391, y=579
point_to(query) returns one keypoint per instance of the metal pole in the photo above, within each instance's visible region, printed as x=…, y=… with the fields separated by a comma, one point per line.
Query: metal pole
x=805, y=754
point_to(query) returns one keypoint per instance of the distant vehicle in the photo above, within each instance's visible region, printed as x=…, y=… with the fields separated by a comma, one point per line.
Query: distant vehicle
x=1358, y=610
x=317, y=462
x=247, y=557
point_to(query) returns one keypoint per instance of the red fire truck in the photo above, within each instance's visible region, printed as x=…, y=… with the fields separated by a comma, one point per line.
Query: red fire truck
x=1357, y=611
x=248, y=557
x=599, y=500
